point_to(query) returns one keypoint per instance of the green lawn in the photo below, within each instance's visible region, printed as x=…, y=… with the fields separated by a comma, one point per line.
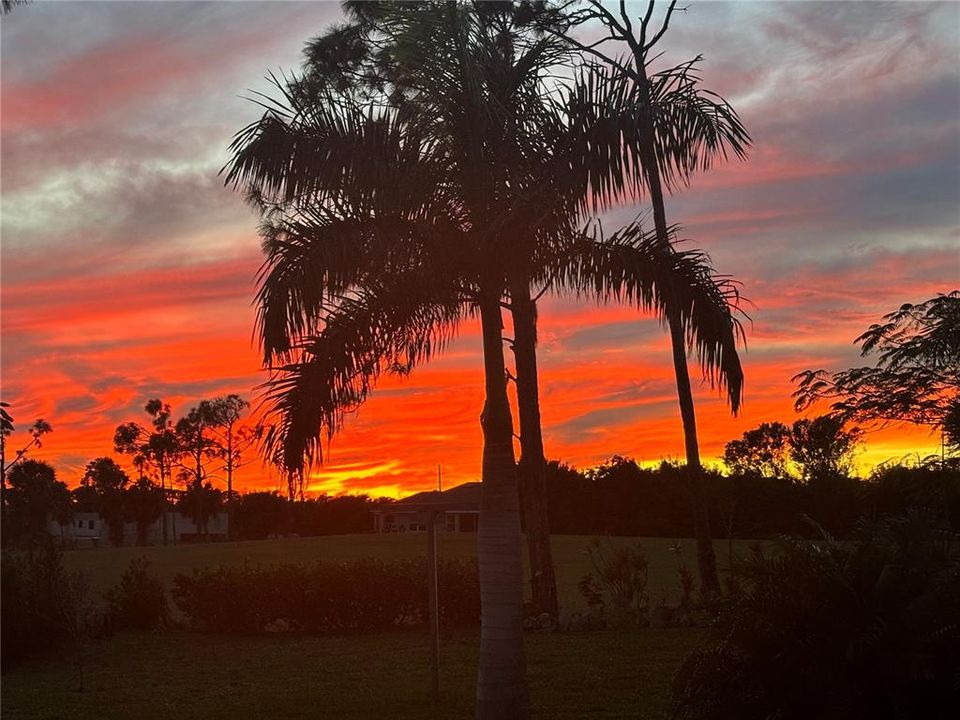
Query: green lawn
x=191, y=675
x=104, y=565
x=179, y=674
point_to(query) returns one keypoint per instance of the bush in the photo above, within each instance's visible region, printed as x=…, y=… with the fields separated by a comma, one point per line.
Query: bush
x=864, y=628
x=43, y=607
x=618, y=584
x=30, y=587
x=138, y=602
x=364, y=595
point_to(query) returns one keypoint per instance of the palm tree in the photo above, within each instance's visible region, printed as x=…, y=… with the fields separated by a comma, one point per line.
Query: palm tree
x=676, y=129
x=156, y=445
x=382, y=232
x=478, y=249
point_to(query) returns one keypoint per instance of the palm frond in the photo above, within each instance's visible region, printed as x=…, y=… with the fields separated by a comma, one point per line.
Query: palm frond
x=606, y=110
x=394, y=326
x=632, y=266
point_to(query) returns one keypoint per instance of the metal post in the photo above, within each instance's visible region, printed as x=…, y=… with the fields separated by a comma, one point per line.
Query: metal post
x=433, y=590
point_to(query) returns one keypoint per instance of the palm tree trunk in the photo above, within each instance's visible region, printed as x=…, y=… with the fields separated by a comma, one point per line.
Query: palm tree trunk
x=533, y=464
x=706, y=560
x=501, y=682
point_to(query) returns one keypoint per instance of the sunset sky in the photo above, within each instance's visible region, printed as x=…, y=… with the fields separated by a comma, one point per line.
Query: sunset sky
x=128, y=269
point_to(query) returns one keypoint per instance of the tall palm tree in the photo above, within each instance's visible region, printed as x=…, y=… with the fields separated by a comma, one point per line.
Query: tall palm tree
x=675, y=129
x=352, y=198
x=502, y=679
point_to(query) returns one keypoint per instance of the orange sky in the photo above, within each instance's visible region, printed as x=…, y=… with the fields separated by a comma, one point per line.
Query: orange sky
x=127, y=270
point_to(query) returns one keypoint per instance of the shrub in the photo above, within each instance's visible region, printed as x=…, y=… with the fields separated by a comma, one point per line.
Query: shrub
x=44, y=606
x=81, y=616
x=138, y=602
x=459, y=582
x=865, y=628
x=363, y=595
x=618, y=583
x=31, y=614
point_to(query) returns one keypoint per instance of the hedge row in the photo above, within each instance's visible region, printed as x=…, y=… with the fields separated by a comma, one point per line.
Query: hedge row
x=367, y=594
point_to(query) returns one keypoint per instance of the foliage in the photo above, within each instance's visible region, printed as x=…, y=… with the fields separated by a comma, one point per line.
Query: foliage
x=200, y=503
x=357, y=280
x=34, y=496
x=763, y=450
x=819, y=447
x=24, y=525
x=621, y=498
x=822, y=447
x=864, y=628
x=81, y=616
x=930, y=487
x=618, y=582
x=143, y=504
x=138, y=602
x=231, y=440
x=367, y=594
x=916, y=377
x=31, y=614
x=155, y=448
x=108, y=483
x=261, y=514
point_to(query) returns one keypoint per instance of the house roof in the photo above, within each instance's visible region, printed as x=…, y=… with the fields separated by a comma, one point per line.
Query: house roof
x=462, y=497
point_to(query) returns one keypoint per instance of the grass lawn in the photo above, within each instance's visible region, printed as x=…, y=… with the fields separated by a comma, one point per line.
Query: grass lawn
x=191, y=675
x=104, y=565
x=181, y=675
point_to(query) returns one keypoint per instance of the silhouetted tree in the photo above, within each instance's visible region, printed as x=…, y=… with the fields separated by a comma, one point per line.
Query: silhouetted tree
x=201, y=503
x=951, y=425
x=822, y=448
x=232, y=441
x=35, y=496
x=197, y=447
x=260, y=514
x=144, y=503
x=302, y=247
x=763, y=451
x=157, y=446
x=37, y=430
x=675, y=129
x=916, y=378
x=331, y=320
x=108, y=482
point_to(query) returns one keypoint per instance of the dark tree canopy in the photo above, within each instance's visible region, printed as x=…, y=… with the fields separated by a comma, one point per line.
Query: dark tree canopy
x=916, y=378
x=35, y=496
x=819, y=448
x=107, y=482
x=822, y=447
x=762, y=451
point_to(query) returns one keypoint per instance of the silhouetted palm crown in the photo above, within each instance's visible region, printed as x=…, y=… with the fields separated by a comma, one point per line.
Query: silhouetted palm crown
x=423, y=157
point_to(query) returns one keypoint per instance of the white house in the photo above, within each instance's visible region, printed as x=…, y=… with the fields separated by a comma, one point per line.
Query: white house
x=459, y=507
x=89, y=529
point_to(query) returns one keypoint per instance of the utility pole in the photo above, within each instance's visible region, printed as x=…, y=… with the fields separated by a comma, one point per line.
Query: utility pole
x=434, y=609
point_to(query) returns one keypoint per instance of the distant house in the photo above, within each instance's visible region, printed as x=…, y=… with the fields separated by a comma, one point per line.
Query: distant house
x=84, y=528
x=88, y=528
x=459, y=506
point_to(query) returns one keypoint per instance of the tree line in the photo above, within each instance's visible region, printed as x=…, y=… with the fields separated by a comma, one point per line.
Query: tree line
x=175, y=463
